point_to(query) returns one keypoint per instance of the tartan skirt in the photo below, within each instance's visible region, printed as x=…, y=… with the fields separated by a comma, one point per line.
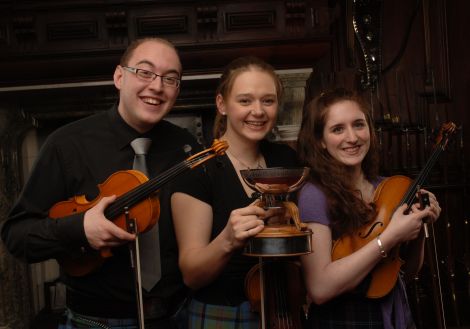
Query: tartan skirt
x=208, y=316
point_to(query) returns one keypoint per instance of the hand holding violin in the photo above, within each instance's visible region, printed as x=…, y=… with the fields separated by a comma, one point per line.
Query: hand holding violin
x=433, y=206
x=101, y=232
x=406, y=226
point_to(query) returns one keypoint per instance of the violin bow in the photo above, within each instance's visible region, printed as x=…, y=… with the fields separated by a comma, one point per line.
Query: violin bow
x=443, y=139
x=134, y=252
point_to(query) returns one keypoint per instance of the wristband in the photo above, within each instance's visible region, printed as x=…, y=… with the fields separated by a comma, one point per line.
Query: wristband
x=382, y=251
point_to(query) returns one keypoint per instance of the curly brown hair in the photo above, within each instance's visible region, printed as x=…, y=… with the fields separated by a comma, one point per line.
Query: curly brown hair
x=347, y=210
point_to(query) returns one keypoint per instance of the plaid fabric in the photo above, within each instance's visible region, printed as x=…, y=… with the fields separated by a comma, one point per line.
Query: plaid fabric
x=207, y=316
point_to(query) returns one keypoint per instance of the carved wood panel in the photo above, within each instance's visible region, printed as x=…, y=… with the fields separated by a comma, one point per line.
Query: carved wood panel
x=73, y=40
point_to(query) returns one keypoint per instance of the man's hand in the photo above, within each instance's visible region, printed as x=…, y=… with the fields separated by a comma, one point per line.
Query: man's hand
x=101, y=232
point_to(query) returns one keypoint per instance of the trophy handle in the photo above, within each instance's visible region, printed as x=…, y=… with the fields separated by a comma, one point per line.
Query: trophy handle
x=294, y=212
x=298, y=184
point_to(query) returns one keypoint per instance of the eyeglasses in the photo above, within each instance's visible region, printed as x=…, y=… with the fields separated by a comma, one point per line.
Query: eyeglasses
x=149, y=76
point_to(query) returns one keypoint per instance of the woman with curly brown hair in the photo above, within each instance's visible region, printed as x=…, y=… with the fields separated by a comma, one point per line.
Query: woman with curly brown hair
x=337, y=142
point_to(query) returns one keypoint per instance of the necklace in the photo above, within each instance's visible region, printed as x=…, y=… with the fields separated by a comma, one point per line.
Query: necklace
x=258, y=166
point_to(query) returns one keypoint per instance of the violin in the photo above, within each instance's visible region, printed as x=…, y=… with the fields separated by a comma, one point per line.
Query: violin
x=136, y=198
x=276, y=291
x=391, y=193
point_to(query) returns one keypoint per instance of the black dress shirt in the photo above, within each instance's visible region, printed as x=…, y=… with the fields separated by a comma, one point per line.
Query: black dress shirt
x=217, y=184
x=73, y=161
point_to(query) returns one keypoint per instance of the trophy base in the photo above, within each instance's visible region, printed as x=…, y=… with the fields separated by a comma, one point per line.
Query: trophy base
x=283, y=235
x=280, y=241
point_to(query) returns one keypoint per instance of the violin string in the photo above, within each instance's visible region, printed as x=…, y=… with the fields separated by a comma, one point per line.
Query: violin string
x=282, y=309
x=135, y=195
x=166, y=176
x=410, y=195
x=274, y=279
x=288, y=315
x=129, y=199
x=145, y=189
x=262, y=287
x=132, y=197
x=282, y=295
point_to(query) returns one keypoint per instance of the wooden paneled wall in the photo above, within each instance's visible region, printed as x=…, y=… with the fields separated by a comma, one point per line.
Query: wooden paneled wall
x=419, y=78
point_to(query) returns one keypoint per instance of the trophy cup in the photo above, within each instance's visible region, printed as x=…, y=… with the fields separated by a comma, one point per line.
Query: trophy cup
x=286, y=235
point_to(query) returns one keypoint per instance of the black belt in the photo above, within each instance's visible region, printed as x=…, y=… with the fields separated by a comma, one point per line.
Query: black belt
x=154, y=308
x=86, y=321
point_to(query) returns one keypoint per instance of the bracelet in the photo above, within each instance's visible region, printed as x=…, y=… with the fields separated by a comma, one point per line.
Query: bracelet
x=383, y=253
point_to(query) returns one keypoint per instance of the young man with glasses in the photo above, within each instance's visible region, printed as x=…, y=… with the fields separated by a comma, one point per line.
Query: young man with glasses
x=78, y=157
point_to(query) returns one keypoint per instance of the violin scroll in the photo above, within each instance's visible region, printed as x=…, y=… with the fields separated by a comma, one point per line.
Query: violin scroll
x=218, y=148
x=445, y=131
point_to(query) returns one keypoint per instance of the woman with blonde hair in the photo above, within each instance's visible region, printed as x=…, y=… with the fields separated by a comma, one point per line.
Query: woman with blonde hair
x=213, y=208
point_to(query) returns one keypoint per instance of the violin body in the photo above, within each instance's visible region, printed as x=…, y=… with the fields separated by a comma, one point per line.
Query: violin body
x=387, y=198
x=136, y=198
x=284, y=293
x=119, y=183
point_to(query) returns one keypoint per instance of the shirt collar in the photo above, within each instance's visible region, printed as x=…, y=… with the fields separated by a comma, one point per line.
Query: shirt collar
x=124, y=133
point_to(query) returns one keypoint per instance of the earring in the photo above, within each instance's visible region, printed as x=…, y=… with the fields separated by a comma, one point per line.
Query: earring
x=223, y=113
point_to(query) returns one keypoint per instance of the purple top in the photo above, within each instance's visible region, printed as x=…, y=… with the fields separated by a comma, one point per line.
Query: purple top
x=312, y=205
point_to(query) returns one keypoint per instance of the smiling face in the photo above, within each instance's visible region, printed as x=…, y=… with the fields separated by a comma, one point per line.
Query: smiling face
x=251, y=105
x=142, y=104
x=346, y=134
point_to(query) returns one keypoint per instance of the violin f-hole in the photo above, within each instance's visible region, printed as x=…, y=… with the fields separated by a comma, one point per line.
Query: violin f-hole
x=371, y=229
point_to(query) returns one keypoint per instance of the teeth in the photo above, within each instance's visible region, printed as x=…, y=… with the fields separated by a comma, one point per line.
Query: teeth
x=255, y=123
x=152, y=101
x=351, y=149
